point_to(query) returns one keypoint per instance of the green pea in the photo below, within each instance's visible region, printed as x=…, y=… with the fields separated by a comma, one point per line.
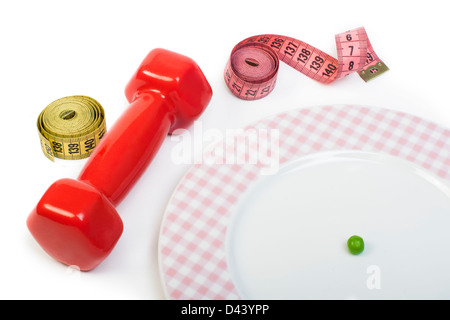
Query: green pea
x=355, y=244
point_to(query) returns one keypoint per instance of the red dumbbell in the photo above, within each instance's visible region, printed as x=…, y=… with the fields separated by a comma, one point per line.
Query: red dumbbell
x=75, y=221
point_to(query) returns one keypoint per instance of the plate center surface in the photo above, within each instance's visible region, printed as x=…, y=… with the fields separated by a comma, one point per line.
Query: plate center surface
x=287, y=237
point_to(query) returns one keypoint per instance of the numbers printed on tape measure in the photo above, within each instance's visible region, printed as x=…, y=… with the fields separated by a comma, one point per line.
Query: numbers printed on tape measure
x=249, y=79
x=71, y=127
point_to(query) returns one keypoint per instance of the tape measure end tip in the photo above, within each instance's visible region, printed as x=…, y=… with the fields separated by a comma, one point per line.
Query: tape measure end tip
x=373, y=71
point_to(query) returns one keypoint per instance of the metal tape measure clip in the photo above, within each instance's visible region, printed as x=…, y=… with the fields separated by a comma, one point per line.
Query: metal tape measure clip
x=71, y=127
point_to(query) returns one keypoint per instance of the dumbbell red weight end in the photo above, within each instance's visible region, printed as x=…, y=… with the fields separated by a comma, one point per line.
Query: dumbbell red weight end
x=75, y=221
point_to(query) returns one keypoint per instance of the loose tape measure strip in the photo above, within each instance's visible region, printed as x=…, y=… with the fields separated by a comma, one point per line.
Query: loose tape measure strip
x=252, y=69
x=71, y=127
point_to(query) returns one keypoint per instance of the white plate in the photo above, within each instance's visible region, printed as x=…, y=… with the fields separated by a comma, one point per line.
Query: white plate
x=287, y=237
x=232, y=232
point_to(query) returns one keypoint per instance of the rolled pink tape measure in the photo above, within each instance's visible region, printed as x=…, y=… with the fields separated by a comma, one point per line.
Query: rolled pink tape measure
x=252, y=68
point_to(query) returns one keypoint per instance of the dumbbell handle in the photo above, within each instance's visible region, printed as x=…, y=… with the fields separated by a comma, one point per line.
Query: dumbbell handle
x=128, y=147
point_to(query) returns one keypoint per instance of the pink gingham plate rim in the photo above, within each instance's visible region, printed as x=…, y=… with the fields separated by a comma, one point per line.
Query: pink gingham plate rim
x=192, y=253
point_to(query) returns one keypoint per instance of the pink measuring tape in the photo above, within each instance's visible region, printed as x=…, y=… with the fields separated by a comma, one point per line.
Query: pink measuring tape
x=252, y=69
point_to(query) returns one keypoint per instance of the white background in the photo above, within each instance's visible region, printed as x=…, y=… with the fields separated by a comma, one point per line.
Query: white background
x=52, y=49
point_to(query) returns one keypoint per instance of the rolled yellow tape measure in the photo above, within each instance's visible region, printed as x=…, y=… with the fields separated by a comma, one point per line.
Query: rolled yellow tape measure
x=71, y=127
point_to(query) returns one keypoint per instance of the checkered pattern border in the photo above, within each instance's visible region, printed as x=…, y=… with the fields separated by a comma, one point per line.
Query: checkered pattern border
x=193, y=234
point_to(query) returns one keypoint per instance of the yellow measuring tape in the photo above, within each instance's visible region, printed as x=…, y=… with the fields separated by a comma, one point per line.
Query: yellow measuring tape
x=71, y=127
